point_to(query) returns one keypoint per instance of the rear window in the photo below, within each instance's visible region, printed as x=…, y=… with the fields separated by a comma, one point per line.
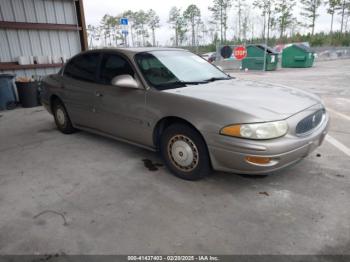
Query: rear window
x=83, y=67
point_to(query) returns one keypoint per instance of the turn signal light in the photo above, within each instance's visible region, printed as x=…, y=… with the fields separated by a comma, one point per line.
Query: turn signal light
x=231, y=130
x=258, y=160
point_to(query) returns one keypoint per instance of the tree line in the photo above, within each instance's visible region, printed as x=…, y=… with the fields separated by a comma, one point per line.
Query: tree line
x=277, y=20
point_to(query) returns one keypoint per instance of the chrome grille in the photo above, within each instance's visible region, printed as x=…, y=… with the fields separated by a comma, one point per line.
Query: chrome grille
x=310, y=122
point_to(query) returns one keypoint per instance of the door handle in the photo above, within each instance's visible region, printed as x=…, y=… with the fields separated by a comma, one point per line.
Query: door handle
x=98, y=94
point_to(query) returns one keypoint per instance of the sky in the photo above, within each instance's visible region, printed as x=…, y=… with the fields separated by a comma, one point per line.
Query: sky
x=95, y=9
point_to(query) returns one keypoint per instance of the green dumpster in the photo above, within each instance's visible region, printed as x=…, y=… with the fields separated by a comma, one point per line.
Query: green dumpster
x=297, y=56
x=255, y=58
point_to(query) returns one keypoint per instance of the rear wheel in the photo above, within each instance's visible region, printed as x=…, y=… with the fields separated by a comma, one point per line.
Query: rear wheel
x=62, y=119
x=184, y=152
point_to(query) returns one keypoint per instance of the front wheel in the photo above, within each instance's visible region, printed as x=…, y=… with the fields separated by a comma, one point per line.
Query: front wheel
x=184, y=152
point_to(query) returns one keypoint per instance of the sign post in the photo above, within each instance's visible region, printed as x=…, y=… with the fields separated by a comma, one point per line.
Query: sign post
x=124, y=28
x=125, y=34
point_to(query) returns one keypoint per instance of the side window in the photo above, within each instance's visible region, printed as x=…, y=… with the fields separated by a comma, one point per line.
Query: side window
x=83, y=67
x=113, y=65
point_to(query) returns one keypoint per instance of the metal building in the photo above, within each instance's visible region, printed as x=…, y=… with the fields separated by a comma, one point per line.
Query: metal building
x=36, y=36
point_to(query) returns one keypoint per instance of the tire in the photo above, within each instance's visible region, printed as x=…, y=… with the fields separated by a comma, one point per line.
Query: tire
x=62, y=119
x=185, y=152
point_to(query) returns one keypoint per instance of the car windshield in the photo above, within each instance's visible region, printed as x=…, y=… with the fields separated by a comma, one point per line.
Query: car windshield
x=174, y=69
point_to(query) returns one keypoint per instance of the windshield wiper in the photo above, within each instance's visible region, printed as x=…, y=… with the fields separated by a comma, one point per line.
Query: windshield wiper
x=181, y=83
x=218, y=78
x=178, y=83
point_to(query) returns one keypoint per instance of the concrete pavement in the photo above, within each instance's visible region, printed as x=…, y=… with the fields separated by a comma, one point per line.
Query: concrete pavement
x=85, y=194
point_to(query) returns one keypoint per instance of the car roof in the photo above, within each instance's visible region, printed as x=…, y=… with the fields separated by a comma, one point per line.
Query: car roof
x=135, y=50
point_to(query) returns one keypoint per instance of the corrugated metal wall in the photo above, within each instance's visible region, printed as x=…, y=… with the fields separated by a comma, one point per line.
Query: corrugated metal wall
x=14, y=43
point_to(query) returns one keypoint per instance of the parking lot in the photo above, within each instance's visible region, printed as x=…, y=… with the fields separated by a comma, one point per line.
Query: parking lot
x=85, y=194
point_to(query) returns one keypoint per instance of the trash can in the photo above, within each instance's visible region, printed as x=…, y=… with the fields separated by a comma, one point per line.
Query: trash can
x=255, y=58
x=297, y=56
x=7, y=93
x=28, y=93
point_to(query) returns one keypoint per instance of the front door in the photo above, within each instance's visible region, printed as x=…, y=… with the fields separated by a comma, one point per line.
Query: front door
x=119, y=111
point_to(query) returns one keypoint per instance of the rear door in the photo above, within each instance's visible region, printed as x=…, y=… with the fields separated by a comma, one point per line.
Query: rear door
x=79, y=84
x=120, y=111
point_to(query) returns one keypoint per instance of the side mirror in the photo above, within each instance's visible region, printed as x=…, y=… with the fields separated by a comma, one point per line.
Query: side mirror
x=125, y=81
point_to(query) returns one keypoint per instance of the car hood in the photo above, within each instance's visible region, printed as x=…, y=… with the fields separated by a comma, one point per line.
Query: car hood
x=263, y=101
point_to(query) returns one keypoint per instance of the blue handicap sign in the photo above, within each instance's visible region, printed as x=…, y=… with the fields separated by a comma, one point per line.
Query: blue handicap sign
x=123, y=21
x=125, y=32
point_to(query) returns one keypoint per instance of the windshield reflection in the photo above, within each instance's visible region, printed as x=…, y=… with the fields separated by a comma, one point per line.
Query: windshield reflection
x=173, y=69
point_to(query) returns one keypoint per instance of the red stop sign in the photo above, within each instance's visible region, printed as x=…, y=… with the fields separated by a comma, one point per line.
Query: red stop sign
x=240, y=52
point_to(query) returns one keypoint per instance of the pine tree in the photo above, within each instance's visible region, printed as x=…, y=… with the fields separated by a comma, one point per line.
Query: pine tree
x=267, y=8
x=240, y=6
x=178, y=24
x=192, y=15
x=343, y=7
x=284, y=12
x=153, y=23
x=219, y=11
x=331, y=8
x=310, y=13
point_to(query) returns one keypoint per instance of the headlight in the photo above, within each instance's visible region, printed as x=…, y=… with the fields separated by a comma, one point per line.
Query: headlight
x=257, y=131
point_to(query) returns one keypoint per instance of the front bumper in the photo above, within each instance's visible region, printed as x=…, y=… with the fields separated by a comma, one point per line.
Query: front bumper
x=229, y=154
